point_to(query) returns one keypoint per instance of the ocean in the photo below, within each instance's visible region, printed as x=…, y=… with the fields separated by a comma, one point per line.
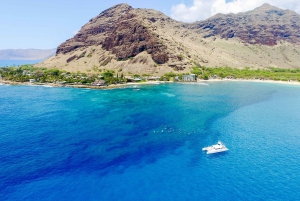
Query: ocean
x=5, y=63
x=145, y=143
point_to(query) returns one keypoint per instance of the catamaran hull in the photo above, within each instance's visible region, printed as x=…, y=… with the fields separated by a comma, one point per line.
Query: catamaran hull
x=216, y=151
x=220, y=147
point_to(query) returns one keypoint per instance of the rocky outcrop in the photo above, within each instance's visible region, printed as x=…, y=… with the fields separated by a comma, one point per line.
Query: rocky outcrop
x=120, y=31
x=130, y=37
x=265, y=25
x=95, y=31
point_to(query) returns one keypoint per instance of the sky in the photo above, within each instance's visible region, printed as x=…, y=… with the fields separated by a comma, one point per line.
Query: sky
x=45, y=24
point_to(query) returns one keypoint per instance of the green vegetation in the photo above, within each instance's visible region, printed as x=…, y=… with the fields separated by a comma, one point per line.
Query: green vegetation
x=168, y=76
x=247, y=73
x=91, y=53
x=270, y=73
x=196, y=70
x=205, y=73
x=81, y=55
x=26, y=73
x=180, y=57
x=43, y=75
x=136, y=76
x=125, y=59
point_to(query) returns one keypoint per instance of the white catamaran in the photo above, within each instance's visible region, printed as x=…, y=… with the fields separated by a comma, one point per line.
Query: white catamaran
x=220, y=147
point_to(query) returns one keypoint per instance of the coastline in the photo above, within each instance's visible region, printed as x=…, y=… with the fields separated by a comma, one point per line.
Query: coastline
x=254, y=80
x=5, y=82
x=116, y=86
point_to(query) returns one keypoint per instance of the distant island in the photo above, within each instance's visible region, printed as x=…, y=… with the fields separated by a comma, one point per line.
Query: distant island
x=26, y=54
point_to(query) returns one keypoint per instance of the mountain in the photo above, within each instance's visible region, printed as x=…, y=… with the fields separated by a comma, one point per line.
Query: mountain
x=265, y=25
x=145, y=41
x=26, y=54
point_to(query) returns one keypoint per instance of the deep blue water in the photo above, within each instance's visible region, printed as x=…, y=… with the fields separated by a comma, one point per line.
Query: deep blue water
x=5, y=63
x=128, y=144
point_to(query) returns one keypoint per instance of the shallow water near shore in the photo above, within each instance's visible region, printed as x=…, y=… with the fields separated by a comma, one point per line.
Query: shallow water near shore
x=128, y=144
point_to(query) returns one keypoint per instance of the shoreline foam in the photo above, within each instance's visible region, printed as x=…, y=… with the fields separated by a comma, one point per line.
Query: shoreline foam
x=254, y=80
x=4, y=82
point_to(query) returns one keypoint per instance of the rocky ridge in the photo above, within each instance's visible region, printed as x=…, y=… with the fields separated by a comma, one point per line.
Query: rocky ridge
x=265, y=25
x=147, y=41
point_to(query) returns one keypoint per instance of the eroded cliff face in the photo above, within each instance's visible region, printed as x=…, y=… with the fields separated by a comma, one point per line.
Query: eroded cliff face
x=265, y=25
x=130, y=37
x=96, y=30
x=120, y=31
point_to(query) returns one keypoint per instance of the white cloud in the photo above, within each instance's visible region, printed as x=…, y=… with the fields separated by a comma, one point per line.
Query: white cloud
x=202, y=9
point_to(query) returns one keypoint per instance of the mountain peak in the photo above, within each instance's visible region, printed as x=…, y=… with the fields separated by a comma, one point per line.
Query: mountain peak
x=121, y=7
x=266, y=7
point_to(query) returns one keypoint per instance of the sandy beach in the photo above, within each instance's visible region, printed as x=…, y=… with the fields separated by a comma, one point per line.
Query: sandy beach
x=252, y=80
x=132, y=84
x=5, y=82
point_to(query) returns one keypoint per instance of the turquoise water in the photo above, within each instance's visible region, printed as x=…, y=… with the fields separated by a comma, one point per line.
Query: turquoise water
x=129, y=144
x=4, y=63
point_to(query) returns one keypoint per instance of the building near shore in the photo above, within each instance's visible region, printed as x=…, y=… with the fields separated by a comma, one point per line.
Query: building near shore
x=98, y=83
x=189, y=78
